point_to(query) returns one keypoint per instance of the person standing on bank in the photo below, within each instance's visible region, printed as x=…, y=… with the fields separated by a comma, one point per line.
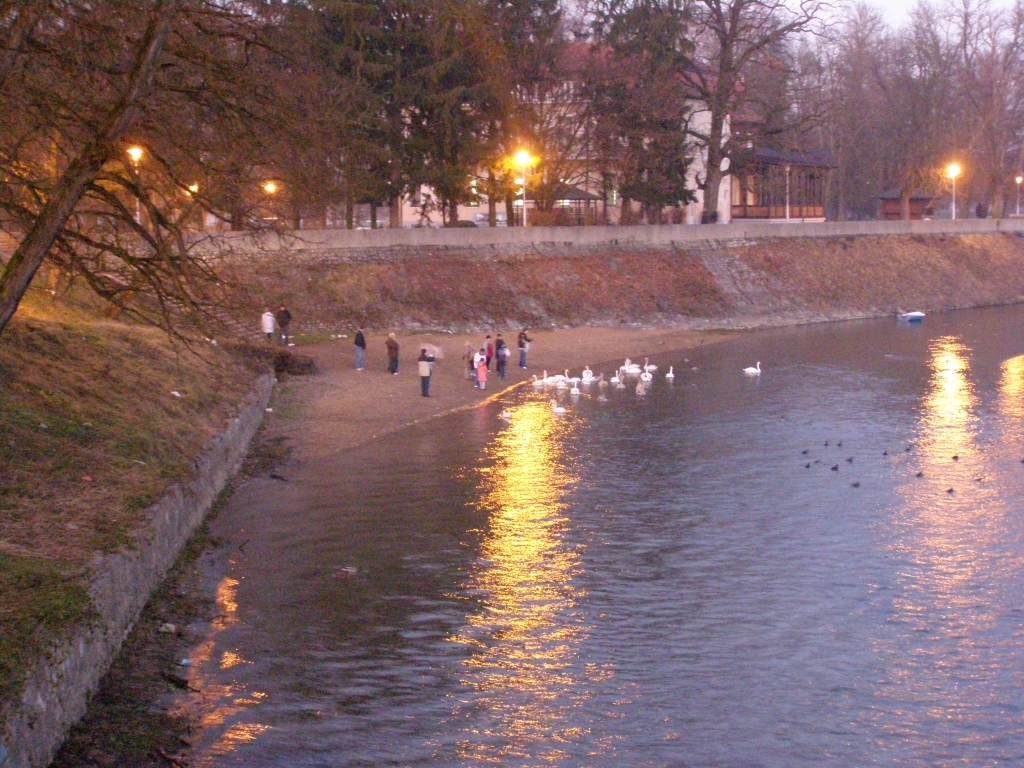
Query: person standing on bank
x=524, y=347
x=284, y=319
x=481, y=369
x=489, y=350
x=392, y=344
x=268, y=324
x=360, y=349
x=501, y=353
x=425, y=366
x=479, y=360
x=468, y=365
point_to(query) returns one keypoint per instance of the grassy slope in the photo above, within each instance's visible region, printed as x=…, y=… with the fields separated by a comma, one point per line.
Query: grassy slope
x=90, y=435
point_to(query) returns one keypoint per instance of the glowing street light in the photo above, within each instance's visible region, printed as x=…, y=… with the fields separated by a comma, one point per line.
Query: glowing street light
x=135, y=153
x=192, y=189
x=952, y=171
x=271, y=187
x=1019, y=179
x=524, y=161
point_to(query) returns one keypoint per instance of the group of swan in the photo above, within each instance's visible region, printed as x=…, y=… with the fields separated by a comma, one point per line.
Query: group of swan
x=644, y=374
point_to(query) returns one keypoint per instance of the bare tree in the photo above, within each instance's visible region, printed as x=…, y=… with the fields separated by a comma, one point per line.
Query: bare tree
x=179, y=82
x=733, y=36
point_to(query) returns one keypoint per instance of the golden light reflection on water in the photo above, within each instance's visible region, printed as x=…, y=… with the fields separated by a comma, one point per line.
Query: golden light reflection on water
x=222, y=701
x=943, y=526
x=523, y=637
x=1011, y=388
x=943, y=540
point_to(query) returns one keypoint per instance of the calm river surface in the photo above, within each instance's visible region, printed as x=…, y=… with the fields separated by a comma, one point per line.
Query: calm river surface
x=656, y=581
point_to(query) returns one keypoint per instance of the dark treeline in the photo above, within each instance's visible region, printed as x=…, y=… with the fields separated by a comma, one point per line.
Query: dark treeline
x=249, y=113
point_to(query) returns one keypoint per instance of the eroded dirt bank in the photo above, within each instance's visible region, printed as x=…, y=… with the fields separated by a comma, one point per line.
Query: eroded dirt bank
x=707, y=284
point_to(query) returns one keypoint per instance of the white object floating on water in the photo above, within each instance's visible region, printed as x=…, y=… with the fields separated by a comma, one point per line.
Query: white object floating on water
x=753, y=371
x=646, y=377
x=557, y=409
x=291, y=344
x=176, y=393
x=269, y=410
x=648, y=366
x=912, y=317
x=670, y=376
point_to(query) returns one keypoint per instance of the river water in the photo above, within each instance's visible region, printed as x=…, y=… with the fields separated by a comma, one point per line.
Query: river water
x=656, y=581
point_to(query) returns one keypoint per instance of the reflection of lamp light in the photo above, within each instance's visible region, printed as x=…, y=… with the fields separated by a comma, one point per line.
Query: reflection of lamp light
x=270, y=187
x=526, y=580
x=192, y=189
x=952, y=171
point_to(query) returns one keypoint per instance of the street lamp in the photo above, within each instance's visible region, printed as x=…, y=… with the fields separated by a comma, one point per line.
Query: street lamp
x=135, y=153
x=192, y=189
x=1019, y=179
x=524, y=161
x=952, y=171
x=270, y=187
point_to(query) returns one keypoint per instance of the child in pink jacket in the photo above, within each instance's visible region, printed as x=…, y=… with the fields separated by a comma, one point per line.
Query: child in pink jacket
x=481, y=372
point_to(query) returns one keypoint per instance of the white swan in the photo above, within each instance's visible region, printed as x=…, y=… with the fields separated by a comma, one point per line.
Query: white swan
x=587, y=374
x=756, y=371
x=615, y=378
x=670, y=376
x=557, y=409
x=648, y=366
x=574, y=380
x=537, y=383
x=646, y=377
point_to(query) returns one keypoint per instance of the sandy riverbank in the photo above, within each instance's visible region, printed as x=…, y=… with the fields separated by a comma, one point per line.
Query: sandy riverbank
x=341, y=408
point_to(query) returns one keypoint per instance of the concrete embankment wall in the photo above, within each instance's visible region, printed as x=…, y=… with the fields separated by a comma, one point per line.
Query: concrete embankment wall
x=57, y=689
x=874, y=268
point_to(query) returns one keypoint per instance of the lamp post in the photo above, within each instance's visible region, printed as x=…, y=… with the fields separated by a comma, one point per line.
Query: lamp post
x=952, y=171
x=524, y=161
x=1019, y=179
x=135, y=154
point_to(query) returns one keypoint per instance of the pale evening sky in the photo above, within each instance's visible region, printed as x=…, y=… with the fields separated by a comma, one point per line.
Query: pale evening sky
x=896, y=12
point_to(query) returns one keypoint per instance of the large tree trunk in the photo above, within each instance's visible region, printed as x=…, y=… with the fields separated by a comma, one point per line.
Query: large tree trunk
x=510, y=210
x=713, y=170
x=82, y=171
x=453, y=212
x=998, y=197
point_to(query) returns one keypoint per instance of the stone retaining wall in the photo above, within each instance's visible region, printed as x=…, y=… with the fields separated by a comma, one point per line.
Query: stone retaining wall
x=660, y=234
x=57, y=690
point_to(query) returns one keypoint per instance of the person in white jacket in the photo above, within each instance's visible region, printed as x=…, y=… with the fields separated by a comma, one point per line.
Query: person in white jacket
x=268, y=324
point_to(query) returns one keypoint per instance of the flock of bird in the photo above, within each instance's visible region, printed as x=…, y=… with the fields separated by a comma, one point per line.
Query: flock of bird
x=626, y=374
